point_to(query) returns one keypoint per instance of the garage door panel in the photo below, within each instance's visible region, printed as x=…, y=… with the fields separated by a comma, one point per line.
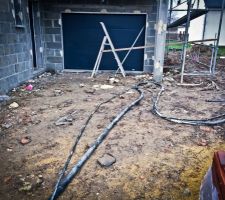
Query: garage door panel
x=83, y=34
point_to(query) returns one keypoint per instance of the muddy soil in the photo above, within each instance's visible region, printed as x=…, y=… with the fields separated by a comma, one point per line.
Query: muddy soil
x=155, y=159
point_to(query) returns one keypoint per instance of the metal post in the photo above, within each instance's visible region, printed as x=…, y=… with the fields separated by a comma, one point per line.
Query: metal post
x=169, y=21
x=189, y=2
x=218, y=38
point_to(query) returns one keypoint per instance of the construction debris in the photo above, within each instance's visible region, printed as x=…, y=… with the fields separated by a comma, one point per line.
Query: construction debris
x=6, y=125
x=65, y=120
x=106, y=87
x=58, y=92
x=131, y=145
x=30, y=182
x=29, y=87
x=103, y=87
x=13, y=105
x=90, y=90
x=25, y=140
x=106, y=160
x=82, y=85
x=113, y=80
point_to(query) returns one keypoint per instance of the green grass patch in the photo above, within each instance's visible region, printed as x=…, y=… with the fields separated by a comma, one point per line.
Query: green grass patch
x=173, y=46
x=221, y=51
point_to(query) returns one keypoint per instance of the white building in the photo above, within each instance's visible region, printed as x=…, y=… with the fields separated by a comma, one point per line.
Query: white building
x=205, y=26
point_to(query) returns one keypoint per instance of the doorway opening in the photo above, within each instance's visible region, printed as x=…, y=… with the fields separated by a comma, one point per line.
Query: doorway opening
x=31, y=17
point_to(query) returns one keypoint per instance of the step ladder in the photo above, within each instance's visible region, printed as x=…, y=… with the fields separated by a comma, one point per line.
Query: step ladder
x=107, y=42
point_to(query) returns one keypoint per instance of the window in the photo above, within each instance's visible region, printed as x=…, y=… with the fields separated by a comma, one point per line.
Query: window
x=18, y=13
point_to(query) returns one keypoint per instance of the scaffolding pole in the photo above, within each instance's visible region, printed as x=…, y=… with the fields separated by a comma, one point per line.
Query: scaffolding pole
x=189, y=2
x=218, y=38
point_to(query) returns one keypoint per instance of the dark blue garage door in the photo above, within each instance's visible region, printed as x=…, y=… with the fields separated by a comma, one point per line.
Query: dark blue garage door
x=83, y=35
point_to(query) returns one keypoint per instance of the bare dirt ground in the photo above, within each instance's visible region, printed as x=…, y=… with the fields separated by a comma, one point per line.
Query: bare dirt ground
x=155, y=159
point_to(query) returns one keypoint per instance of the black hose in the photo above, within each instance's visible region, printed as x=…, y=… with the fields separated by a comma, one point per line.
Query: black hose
x=208, y=122
x=62, y=172
x=62, y=184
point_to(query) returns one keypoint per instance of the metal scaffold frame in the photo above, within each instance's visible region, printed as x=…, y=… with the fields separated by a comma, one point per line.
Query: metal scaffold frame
x=190, y=8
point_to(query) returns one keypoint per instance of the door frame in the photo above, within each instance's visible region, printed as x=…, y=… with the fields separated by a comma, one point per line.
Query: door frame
x=33, y=19
x=110, y=13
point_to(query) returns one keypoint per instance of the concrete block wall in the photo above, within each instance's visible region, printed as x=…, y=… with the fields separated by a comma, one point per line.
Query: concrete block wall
x=52, y=35
x=15, y=58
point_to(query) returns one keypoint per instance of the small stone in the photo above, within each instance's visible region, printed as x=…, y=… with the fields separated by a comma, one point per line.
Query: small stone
x=25, y=140
x=6, y=125
x=187, y=192
x=82, y=85
x=107, y=160
x=13, y=105
x=96, y=86
x=106, y=87
x=140, y=77
x=90, y=91
x=58, y=92
x=113, y=80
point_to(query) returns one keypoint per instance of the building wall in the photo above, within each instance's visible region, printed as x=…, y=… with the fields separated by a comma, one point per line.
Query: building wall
x=15, y=58
x=212, y=25
x=51, y=16
x=196, y=28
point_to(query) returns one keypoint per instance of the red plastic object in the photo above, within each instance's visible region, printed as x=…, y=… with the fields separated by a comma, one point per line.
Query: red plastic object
x=218, y=173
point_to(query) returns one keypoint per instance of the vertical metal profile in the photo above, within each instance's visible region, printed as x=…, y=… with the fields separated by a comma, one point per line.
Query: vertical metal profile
x=169, y=21
x=189, y=2
x=218, y=38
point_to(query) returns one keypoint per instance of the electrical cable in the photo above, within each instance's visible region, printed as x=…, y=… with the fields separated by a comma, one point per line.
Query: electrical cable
x=61, y=183
x=208, y=122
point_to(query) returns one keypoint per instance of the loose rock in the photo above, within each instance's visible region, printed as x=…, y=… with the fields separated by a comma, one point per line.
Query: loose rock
x=107, y=160
x=106, y=87
x=113, y=80
x=66, y=120
x=6, y=125
x=25, y=140
x=82, y=85
x=90, y=91
x=13, y=105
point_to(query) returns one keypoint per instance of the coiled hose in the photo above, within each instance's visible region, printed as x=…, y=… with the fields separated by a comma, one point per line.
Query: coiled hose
x=207, y=122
